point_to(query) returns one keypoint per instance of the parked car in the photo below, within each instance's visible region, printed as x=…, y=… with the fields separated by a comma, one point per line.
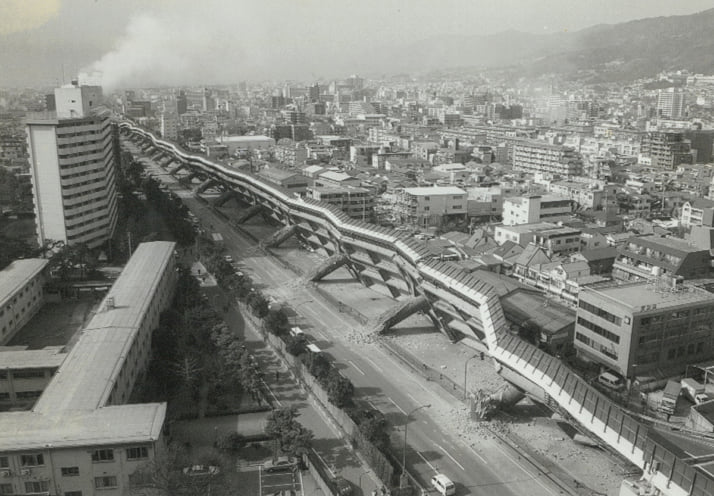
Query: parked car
x=195, y=470
x=228, y=259
x=280, y=464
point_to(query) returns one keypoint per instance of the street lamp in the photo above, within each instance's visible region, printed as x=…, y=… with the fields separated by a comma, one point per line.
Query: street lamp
x=466, y=366
x=406, y=424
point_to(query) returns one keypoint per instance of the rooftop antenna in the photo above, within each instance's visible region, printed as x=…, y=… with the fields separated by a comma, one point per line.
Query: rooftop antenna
x=63, y=79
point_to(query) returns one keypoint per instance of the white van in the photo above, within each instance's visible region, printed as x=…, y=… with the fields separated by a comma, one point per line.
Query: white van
x=443, y=485
x=611, y=381
x=313, y=348
x=296, y=331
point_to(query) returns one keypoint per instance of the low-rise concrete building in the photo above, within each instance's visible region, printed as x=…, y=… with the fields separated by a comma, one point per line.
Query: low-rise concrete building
x=358, y=203
x=24, y=373
x=427, y=206
x=21, y=294
x=294, y=182
x=81, y=436
x=551, y=237
x=536, y=208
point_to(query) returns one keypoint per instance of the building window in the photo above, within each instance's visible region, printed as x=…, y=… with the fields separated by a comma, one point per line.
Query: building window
x=28, y=374
x=4, y=462
x=105, y=482
x=37, y=486
x=34, y=460
x=70, y=471
x=137, y=453
x=6, y=489
x=73, y=493
x=103, y=455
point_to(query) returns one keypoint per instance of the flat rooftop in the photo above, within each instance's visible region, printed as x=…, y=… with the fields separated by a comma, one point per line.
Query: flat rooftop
x=635, y=295
x=85, y=380
x=15, y=275
x=109, y=425
x=14, y=359
x=244, y=139
x=656, y=242
x=435, y=190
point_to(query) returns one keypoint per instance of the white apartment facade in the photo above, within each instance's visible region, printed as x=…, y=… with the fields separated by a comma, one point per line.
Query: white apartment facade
x=73, y=170
x=430, y=205
x=21, y=295
x=536, y=208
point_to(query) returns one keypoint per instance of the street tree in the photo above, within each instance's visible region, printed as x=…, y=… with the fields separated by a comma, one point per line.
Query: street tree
x=340, y=390
x=292, y=438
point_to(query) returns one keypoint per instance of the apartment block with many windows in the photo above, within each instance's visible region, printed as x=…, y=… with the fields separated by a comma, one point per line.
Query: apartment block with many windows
x=533, y=156
x=81, y=437
x=636, y=329
x=73, y=170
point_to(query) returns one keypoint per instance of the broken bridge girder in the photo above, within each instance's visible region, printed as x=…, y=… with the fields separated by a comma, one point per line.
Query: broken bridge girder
x=327, y=267
x=275, y=239
x=401, y=311
x=484, y=405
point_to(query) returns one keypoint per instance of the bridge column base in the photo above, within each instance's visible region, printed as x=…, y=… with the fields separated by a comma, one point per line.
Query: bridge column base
x=274, y=240
x=327, y=267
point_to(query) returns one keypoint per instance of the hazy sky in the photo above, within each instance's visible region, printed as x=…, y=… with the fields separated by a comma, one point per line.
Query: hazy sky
x=143, y=42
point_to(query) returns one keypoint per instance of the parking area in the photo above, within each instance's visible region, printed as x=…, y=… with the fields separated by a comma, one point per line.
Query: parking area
x=281, y=483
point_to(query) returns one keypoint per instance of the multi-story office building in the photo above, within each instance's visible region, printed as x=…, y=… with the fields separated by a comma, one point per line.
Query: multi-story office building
x=81, y=437
x=635, y=329
x=21, y=294
x=671, y=103
x=358, y=203
x=539, y=156
x=73, y=170
x=536, y=208
x=666, y=150
x=645, y=257
x=430, y=206
x=291, y=154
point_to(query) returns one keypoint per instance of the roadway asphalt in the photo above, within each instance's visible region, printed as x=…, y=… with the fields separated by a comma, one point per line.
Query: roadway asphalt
x=488, y=469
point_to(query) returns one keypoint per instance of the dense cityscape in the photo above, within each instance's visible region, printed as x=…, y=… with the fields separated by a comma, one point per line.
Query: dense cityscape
x=490, y=281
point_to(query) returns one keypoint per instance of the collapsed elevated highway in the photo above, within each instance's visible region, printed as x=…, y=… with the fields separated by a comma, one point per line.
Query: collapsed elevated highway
x=460, y=305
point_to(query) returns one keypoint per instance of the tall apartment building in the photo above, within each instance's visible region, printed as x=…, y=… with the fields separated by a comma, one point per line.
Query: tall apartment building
x=666, y=150
x=169, y=126
x=73, y=170
x=639, y=328
x=670, y=103
x=538, y=156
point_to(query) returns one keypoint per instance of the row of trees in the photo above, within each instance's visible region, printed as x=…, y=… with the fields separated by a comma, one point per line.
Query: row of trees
x=172, y=209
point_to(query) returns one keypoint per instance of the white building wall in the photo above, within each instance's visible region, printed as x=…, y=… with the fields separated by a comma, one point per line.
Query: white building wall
x=44, y=168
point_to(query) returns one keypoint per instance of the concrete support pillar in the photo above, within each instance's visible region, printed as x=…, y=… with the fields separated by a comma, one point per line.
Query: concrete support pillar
x=279, y=236
x=401, y=311
x=327, y=267
x=249, y=213
x=227, y=195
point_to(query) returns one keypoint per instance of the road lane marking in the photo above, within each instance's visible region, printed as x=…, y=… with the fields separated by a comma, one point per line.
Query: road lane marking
x=519, y=465
x=373, y=364
x=426, y=461
x=399, y=407
x=478, y=456
x=355, y=366
x=324, y=463
x=449, y=455
x=271, y=393
x=374, y=407
x=413, y=398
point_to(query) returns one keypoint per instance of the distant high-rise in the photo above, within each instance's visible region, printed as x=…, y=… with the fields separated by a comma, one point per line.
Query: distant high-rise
x=314, y=93
x=72, y=165
x=670, y=103
x=181, y=103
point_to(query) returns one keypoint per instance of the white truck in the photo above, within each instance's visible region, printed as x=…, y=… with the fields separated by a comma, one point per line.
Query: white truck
x=694, y=391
